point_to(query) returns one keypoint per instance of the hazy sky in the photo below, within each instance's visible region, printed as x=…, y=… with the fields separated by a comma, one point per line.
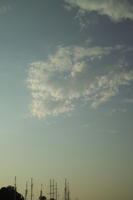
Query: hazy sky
x=66, y=82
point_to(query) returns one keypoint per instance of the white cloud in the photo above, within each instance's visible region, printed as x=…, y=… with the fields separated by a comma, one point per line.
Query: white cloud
x=75, y=74
x=116, y=10
x=4, y=9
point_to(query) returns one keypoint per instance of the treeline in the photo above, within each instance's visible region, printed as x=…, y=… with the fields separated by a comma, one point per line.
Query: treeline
x=10, y=193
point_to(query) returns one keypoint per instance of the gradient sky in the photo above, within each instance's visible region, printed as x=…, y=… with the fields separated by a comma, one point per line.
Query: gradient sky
x=66, y=82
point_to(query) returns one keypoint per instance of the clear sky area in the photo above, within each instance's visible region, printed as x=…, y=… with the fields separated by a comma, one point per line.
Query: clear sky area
x=66, y=96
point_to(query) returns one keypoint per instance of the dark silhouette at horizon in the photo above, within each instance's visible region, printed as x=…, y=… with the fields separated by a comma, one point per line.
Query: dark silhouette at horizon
x=10, y=193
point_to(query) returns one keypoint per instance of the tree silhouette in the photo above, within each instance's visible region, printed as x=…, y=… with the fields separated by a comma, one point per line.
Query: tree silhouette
x=9, y=193
x=42, y=198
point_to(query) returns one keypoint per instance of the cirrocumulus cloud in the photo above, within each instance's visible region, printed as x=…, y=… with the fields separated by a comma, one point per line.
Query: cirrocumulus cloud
x=116, y=10
x=76, y=74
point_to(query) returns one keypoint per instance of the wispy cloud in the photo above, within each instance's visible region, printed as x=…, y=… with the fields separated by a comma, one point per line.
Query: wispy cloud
x=122, y=110
x=129, y=101
x=116, y=10
x=75, y=74
x=4, y=9
x=114, y=132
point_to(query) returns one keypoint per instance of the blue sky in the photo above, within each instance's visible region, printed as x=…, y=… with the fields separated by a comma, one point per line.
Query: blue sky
x=66, y=81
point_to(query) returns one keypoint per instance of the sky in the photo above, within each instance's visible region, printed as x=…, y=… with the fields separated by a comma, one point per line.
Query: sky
x=66, y=104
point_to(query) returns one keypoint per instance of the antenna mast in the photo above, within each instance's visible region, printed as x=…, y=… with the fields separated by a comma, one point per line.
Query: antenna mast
x=31, y=189
x=56, y=191
x=41, y=190
x=53, y=189
x=50, y=189
x=68, y=193
x=53, y=192
x=65, y=189
x=15, y=188
x=26, y=190
x=15, y=184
